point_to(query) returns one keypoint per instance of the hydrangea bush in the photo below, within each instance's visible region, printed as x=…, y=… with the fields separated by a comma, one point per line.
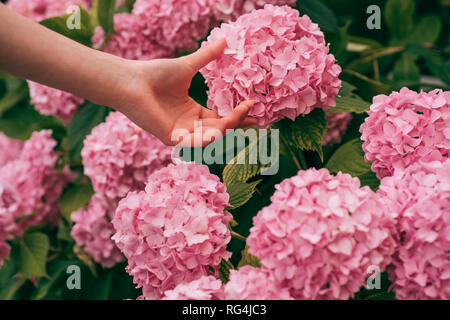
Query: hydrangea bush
x=358, y=208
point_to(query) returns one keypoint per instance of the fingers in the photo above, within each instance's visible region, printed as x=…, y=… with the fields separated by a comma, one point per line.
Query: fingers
x=238, y=116
x=206, y=54
x=248, y=122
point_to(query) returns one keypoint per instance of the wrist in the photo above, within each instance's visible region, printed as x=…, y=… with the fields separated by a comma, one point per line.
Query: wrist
x=117, y=83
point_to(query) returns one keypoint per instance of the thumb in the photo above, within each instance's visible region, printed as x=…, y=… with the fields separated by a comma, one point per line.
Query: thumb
x=206, y=54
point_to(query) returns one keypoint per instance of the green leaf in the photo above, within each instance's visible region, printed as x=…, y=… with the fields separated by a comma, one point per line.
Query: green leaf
x=319, y=13
x=10, y=281
x=64, y=232
x=56, y=270
x=349, y=101
x=369, y=179
x=16, y=91
x=74, y=197
x=249, y=259
x=21, y=120
x=32, y=254
x=82, y=35
x=241, y=192
x=306, y=132
x=129, y=4
x=399, y=17
x=224, y=270
x=349, y=158
x=82, y=123
x=427, y=30
x=405, y=69
x=242, y=167
x=105, y=12
x=434, y=62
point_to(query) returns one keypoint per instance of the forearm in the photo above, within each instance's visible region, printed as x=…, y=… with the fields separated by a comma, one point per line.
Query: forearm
x=31, y=51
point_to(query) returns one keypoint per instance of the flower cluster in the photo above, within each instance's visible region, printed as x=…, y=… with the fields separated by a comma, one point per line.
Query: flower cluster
x=419, y=197
x=337, y=124
x=204, y=288
x=30, y=187
x=250, y=283
x=229, y=10
x=50, y=101
x=175, y=230
x=38, y=10
x=93, y=230
x=275, y=58
x=321, y=233
x=129, y=40
x=9, y=149
x=177, y=25
x=118, y=156
x=405, y=127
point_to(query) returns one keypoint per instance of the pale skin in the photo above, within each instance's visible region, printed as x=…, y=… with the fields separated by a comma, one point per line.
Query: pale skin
x=152, y=94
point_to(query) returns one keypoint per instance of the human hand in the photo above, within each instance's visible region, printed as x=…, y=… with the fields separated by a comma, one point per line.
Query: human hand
x=158, y=99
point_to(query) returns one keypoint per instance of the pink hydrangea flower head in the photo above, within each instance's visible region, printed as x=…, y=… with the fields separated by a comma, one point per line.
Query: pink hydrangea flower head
x=321, y=233
x=175, y=230
x=30, y=186
x=337, y=124
x=50, y=101
x=275, y=58
x=419, y=197
x=9, y=149
x=9, y=203
x=204, y=288
x=177, y=25
x=118, y=156
x=229, y=10
x=404, y=127
x=93, y=231
x=250, y=283
x=38, y=10
x=129, y=41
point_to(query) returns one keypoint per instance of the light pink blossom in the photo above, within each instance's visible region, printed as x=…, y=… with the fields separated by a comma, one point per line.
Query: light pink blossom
x=250, y=283
x=30, y=187
x=419, y=197
x=337, y=124
x=177, y=25
x=93, y=231
x=227, y=10
x=118, y=156
x=50, y=101
x=175, y=230
x=275, y=58
x=9, y=149
x=129, y=40
x=405, y=127
x=38, y=10
x=204, y=288
x=321, y=233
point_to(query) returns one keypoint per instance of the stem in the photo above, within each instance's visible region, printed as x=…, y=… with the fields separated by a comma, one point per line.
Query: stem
x=362, y=77
x=237, y=236
x=376, y=70
x=376, y=55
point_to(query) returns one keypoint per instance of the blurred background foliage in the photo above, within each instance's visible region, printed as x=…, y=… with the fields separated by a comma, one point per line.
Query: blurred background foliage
x=411, y=49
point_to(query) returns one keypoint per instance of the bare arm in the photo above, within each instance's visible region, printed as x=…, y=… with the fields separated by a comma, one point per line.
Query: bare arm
x=31, y=51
